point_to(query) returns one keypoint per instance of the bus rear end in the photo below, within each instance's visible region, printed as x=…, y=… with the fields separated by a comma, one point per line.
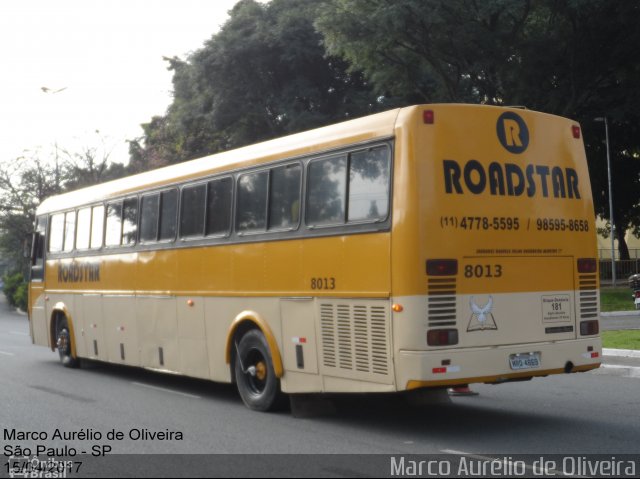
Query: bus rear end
x=494, y=269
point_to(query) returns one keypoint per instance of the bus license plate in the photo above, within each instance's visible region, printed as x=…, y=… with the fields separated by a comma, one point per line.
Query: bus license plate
x=525, y=361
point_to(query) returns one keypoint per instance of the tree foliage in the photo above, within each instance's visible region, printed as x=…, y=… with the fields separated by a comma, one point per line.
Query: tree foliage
x=575, y=58
x=265, y=74
x=26, y=181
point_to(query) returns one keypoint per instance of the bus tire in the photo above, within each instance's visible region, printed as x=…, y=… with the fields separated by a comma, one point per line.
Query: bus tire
x=255, y=377
x=63, y=343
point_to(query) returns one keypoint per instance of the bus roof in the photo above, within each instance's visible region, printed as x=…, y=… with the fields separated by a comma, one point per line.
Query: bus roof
x=360, y=130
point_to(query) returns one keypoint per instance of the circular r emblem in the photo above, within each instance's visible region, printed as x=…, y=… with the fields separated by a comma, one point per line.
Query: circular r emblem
x=512, y=132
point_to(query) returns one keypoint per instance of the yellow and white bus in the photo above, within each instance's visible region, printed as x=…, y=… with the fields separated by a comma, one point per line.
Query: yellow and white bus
x=423, y=247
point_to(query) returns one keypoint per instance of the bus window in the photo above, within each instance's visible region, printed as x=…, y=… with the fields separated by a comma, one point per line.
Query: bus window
x=56, y=233
x=114, y=224
x=252, y=195
x=69, y=230
x=83, y=230
x=168, y=214
x=97, y=226
x=326, y=197
x=284, y=197
x=130, y=221
x=192, y=210
x=149, y=217
x=369, y=185
x=219, y=206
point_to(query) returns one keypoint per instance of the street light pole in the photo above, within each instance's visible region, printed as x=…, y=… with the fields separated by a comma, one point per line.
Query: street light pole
x=613, y=225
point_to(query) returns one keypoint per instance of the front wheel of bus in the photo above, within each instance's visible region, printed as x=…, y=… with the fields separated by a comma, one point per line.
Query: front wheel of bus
x=63, y=343
x=256, y=379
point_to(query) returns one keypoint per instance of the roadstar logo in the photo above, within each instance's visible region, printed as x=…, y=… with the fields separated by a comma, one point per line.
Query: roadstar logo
x=512, y=132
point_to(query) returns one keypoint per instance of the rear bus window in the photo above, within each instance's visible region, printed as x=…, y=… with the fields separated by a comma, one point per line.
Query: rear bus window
x=369, y=185
x=362, y=196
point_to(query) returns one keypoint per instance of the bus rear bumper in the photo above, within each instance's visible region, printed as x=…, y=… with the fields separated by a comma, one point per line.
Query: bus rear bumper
x=448, y=367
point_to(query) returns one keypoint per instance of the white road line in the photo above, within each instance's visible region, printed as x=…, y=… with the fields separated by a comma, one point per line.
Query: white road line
x=6, y=353
x=155, y=388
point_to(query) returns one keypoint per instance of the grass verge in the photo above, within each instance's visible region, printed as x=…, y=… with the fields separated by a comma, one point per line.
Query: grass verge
x=626, y=339
x=616, y=299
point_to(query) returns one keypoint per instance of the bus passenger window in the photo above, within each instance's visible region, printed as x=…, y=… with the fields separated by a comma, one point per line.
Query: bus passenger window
x=56, y=233
x=69, y=230
x=192, y=209
x=130, y=221
x=149, y=217
x=219, y=206
x=97, y=226
x=114, y=224
x=251, y=202
x=168, y=214
x=326, y=196
x=83, y=229
x=369, y=184
x=284, y=197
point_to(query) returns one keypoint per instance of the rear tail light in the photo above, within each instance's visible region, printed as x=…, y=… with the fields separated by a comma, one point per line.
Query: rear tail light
x=442, y=337
x=428, y=117
x=575, y=130
x=442, y=267
x=587, y=265
x=589, y=328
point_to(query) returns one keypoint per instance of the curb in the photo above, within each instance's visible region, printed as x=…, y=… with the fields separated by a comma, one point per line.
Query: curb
x=621, y=353
x=620, y=314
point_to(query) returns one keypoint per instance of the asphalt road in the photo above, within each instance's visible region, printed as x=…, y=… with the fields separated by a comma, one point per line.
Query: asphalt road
x=589, y=413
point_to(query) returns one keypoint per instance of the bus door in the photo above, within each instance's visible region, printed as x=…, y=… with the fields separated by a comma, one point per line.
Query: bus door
x=36, y=309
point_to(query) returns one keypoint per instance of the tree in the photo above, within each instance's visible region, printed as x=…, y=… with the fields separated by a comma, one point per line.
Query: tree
x=265, y=74
x=26, y=181
x=575, y=58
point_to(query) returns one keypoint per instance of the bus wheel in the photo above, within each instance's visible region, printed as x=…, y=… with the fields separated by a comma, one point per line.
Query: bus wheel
x=63, y=343
x=256, y=379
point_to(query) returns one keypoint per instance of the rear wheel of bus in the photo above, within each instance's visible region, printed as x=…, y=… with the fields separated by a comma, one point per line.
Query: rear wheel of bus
x=255, y=376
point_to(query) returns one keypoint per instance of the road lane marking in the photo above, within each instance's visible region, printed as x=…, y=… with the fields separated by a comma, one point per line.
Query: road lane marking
x=7, y=353
x=156, y=388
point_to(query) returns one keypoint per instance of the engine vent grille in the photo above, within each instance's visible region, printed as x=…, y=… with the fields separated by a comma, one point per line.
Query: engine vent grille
x=588, y=296
x=355, y=339
x=441, y=302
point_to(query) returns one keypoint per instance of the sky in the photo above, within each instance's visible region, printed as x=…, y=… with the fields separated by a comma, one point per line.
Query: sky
x=74, y=67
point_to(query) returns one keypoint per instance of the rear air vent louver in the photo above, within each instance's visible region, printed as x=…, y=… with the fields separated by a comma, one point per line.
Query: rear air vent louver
x=588, y=296
x=355, y=339
x=441, y=302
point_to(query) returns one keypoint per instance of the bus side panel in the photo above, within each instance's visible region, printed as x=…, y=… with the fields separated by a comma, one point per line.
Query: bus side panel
x=37, y=315
x=93, y=326
x=121, y=331
x=158, y=332
x=192, y=344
